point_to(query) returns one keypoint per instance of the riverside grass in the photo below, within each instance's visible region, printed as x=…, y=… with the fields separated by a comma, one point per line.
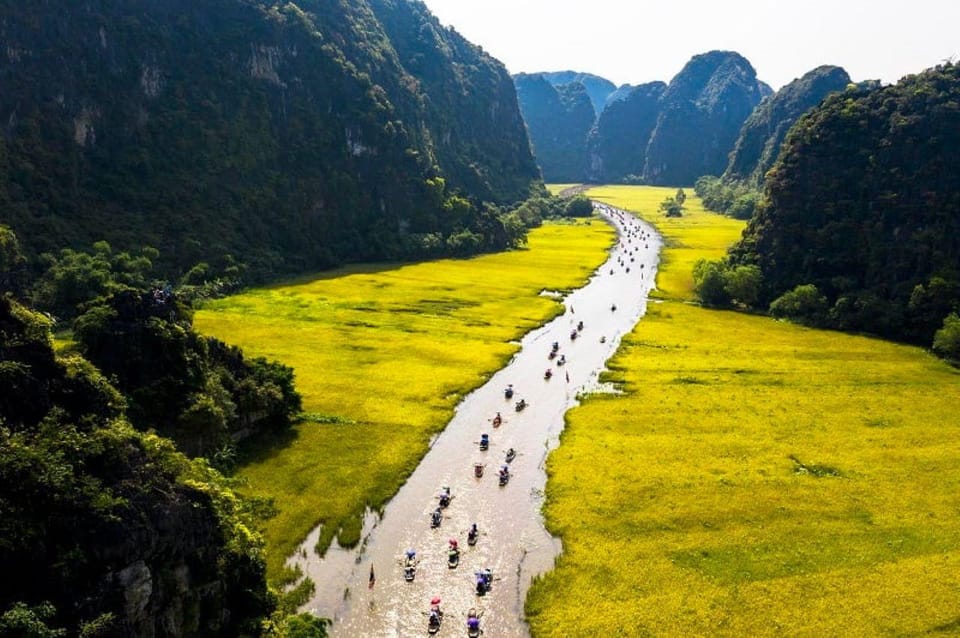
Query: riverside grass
x=755, y=478
x=382, y=355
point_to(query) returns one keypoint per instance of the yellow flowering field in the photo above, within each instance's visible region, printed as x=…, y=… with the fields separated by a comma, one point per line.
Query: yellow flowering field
x=382, y=355
x=755, y=478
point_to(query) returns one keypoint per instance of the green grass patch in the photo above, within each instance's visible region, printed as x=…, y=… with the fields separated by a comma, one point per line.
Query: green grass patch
x=680, y=504
x=382, y=354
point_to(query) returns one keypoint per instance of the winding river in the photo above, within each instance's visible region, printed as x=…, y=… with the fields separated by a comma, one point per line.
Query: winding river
x=513, y=543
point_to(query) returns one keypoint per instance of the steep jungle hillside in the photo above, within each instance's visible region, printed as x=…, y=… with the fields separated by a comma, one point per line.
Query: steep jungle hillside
x=701, y=113
x=863, y=206
x=763, y=132
x=617, y=145
x=290, y=136
x=105, y=531
x=558, y=119
x=599, y=89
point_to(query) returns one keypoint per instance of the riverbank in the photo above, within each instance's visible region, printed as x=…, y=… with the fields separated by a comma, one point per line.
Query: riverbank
x=382, y=355
x=755, y=478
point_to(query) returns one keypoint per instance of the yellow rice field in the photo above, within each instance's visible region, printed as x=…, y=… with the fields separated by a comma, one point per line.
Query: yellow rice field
x=756, y=478
x=382, y=355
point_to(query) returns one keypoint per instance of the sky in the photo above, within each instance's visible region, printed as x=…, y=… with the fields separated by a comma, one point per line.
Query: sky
x=636, y=41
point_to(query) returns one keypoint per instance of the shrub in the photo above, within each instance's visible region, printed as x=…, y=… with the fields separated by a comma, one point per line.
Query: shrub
x=946, y=341
x=804, y=303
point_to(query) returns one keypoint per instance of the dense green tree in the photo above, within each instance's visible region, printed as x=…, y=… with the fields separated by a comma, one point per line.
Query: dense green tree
x=804, y=304
x=196, y=390
x=579, y=206
x=864, y=205
x=743, y=284
x=709, y=283
x=946, y=341
x=93, y=513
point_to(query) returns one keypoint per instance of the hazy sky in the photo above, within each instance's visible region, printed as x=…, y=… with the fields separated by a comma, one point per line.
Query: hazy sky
x=640, y=40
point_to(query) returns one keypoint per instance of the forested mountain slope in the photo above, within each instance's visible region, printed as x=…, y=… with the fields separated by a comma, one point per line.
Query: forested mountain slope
x=291, y=136
x=617, y=145
x=763, y=132
x=105, y=531
x=558, y=119
x=864, y=204
x=701, y=113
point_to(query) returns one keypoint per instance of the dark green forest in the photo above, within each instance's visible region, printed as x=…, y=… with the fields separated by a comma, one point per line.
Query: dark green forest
x=859, y=225
x=283, y=137
x=105, y=530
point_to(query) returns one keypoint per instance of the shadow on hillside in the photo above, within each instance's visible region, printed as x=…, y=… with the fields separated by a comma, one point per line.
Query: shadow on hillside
x=265, y=445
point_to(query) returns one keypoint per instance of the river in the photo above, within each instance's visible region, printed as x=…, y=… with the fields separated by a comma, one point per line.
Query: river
x=513, y=543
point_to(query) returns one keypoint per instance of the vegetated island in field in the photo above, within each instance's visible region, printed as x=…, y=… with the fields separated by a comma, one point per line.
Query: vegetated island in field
x=755, y=478
x=382, y=354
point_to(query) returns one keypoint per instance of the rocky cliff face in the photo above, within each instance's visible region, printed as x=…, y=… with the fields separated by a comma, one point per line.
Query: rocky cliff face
x=598, y=88
x=764, y=131
x=291, y=136
x=701, y=113
x=617, y=146
x=558, y=119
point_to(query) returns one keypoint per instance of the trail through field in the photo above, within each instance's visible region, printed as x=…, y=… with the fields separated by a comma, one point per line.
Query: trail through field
x=513, y=542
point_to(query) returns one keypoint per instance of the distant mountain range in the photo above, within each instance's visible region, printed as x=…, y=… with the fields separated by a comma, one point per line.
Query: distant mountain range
x=672, y=133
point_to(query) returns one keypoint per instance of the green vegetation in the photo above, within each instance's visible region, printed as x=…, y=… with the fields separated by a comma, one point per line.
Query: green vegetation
x=763, y=132
x=291, y=137
x=382, y=354
x=755, y=478
x=93, y=513
x=729, y=198
x=195, y=390
x=700, y=116
x=863, y=207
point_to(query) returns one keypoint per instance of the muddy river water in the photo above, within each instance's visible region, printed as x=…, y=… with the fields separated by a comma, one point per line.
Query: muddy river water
x=513, y=542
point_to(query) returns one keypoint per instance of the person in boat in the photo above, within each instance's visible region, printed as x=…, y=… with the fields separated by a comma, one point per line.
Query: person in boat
x=580, y=326
x=474, y=531
x=563, y=360
x=497, y=420
x=484, y=441
x=548, y=373
x=436, y=517
x=473, y=621
x=504, y=472
x=445, y=497
x=603, y=339
x=613, y=308
x=410, y=556
x=556, y=346
x=487, y=575
x=521, y=404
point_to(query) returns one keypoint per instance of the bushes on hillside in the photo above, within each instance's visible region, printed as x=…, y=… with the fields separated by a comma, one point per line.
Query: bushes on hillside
x=719, y=285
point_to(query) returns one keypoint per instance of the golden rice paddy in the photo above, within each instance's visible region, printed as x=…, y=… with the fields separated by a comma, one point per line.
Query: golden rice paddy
x=755, y=478
x=382, y=355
